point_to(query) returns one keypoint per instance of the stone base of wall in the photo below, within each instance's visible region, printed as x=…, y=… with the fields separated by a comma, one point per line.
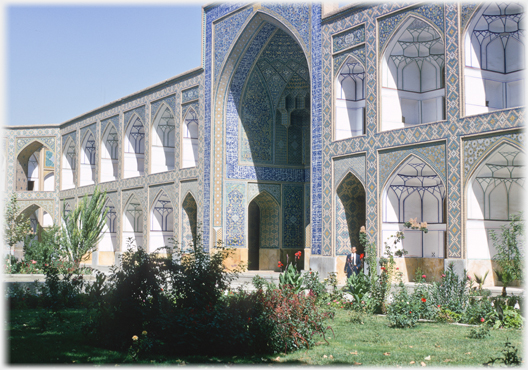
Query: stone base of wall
x=324, y=265
x=480, y=267
x=268, y=259
x=432, y=268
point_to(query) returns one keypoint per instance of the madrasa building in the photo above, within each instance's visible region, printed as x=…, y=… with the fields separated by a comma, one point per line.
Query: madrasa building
x=304, y=123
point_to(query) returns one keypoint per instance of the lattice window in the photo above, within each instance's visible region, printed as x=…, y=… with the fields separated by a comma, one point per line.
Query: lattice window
x=416, y=178
x=165, y=128
x=71, y=155
x=136, y=212
x=496, y=178
x=164, y=209
x=354, y=73
x=112, y=141
x=111, y=217
x=499, y=24
x=137, y=137
x=90, y=150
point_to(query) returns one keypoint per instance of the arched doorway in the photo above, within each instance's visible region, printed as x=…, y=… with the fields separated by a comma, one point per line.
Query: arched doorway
x=350, y=214
x=189, y=222
x=263, y=232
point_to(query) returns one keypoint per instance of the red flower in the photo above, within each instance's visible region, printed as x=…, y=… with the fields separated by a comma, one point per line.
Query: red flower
x=383, y=268
x=298, y=254
x=280, y=264
x=361, y=256
x=424, y=300
x=410, y=311
x=438, y=306
x=424, y=276
x=481, y=319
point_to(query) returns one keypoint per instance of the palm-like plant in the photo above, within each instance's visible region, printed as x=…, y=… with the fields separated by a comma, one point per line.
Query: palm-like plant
x=480, y=280
x=82, y=228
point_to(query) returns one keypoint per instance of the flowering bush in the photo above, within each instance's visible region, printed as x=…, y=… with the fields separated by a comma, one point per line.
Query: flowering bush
x=291, y=278
x=403, y=311
x=452, y=292
x=295, y=318
x=314, y=286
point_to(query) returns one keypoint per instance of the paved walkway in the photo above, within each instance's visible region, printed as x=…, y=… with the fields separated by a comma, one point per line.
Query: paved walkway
x=244, y=281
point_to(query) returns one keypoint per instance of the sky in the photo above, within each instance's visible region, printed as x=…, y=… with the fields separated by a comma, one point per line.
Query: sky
x=64, y=60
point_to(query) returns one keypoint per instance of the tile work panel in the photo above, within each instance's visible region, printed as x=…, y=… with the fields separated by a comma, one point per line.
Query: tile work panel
x=358, y=53
x=477, y=148
x=292, y=225
x=348, y=38
x=273, y=189
x=235, y=215
x=269, y=221
x=354, y=164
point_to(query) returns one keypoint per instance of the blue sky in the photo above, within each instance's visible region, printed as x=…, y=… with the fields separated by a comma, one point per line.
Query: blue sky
x=65, y=60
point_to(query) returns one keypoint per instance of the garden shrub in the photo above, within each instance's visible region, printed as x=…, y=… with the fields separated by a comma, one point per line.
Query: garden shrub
x=359, y=287
x=478, y=310
x=403, y=310
x=480, y=332
x=452, y=292
x=295, y=318
x=183, y=306
x=313, y=284
x=446, y=315
x=427, y=307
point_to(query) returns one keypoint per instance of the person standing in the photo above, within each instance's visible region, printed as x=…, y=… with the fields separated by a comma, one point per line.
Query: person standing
x=353, y=263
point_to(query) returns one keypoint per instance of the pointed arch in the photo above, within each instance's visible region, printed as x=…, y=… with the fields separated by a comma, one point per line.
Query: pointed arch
x=494, y=58
x=39, y=218
x=350, y=100
x=88, y=154
x=190, y=139
x=161, y=222
x=134, y=148
x=109, y=153
x=350, y=213
x=35, y=168
x=163, y=140
x=189, y=230
x=412, y=75
x=263, y=230
x=69, y=159
x=109, y=241
x=133, y=223
x=415, y=190
x=495, y=190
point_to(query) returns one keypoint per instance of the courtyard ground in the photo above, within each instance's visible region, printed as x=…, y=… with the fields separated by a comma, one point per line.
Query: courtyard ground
x=31, y=339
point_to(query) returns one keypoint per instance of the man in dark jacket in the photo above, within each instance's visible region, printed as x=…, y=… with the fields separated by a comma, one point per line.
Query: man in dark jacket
x=353, y=263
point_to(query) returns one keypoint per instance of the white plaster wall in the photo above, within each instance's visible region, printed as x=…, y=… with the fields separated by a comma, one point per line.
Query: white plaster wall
x=134, y=165
x=49, y=182
x=162, y=159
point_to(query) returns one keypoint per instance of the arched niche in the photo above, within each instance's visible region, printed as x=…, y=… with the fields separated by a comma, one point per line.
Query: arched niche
x=412, y=76
x=161, y=223
x=134, y=153
x=263, y=232
x=39, y=219
x=87, y=174
x=109, y=157
x=495, y=191
x=163, y=138
x=415, y=191
x=132, y=224
x=189, y=222
x=494, y=56
x=350, y=100
x=109, y=241
x=35, y=168
x=190, y=139
x=69, y=158
x=350, y=214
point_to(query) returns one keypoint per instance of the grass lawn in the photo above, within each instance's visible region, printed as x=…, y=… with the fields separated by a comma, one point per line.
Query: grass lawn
x=372, y=343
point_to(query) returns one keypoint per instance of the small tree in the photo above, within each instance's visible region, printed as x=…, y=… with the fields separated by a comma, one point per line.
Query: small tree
x=509, y=255
x=82, y=228
x=16, y=227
